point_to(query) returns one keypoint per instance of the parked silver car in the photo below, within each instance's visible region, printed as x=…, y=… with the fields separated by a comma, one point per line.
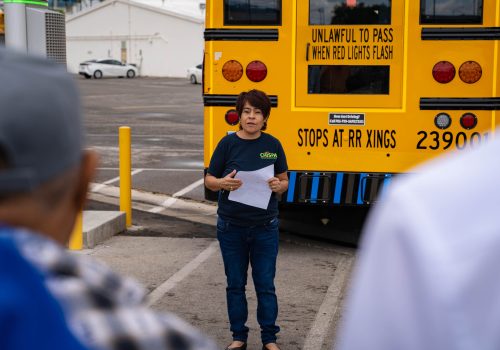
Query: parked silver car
x=106, y=68
x=194, y=74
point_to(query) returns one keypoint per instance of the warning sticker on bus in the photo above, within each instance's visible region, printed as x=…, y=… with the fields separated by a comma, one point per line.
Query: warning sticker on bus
x=346, y=119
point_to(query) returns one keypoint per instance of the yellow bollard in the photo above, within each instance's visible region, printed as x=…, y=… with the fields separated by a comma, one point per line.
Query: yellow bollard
x=76, y=239
x=126, y=173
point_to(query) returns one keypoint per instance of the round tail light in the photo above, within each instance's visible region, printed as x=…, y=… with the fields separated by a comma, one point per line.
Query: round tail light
x=442, y=121
x=256, y=71
x=443, y=72
x=468, y=121
x=470, y=72
x=232, y=117
x=232, y=70
x=351, y=3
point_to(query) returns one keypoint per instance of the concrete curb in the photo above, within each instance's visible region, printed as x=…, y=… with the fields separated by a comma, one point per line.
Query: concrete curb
x=99, y=226
x=159, y=203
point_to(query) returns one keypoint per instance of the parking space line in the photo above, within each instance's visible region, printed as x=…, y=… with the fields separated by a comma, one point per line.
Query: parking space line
x=157, y=169
x=168, y=203
x=189, y=210
x=148, y=107
x=330, y=305
x=185, y=150
x=189, y=188
x=103, y=96
x=177, y=277
x=100, y=186
x=149, y=135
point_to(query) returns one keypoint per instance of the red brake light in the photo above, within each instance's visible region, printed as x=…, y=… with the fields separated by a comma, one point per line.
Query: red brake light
x=232, y=117
x=470, y=72
x=443, y=72
x=256, y=71
x=468, y=121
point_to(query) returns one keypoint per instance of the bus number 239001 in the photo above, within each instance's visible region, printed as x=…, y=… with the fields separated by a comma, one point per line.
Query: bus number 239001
x=434, y=140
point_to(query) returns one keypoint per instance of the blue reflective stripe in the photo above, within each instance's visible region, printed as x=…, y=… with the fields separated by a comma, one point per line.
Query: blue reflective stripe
x=291, y=186
x=361, y=187
x=314, y=188
x=387, y=181
x=338, y=188
x=385, y=185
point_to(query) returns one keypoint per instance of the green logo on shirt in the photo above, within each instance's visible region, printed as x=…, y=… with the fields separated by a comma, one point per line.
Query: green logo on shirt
x=268, y=155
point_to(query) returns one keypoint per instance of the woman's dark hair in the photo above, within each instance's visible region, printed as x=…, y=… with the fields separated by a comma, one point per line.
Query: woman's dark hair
x=257, y=99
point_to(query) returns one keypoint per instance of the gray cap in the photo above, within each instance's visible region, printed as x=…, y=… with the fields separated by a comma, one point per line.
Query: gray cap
x=41, y=132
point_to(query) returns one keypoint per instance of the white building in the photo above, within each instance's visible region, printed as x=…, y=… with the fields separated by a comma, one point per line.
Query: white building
x=163, y=38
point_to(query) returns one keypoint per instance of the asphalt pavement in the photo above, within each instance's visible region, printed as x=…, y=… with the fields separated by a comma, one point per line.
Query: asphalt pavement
x=179, y=263
x=166, y=120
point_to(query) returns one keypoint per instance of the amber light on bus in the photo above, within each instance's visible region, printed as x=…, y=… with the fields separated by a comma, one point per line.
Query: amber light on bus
x=232, y=70
x=470, y=72
x=442, y=121
x=256, y=71
x=443, y=72
x=232, y=117
x=468, y=121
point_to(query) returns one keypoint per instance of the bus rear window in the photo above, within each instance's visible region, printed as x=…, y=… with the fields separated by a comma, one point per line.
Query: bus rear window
x=252, y=12
x=451, y=11
x=343, y=79
x=330, y=12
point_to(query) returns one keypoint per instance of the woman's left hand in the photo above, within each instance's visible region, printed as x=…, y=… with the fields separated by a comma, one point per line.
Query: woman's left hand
x=274, y=184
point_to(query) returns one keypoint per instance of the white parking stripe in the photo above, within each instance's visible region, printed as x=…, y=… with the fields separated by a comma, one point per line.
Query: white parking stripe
x=148, y=135
x=157, y=169
x=176, y=278
x=168, y=203
x=189, y=188
x=163, y=205
x=148, y=107
x=189, y=210
x=109, y=182
x=330, y=305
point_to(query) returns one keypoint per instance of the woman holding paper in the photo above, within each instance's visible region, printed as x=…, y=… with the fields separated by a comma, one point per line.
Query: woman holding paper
x=247, y=227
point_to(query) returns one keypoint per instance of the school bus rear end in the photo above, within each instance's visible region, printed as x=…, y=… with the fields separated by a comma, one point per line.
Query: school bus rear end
x=361, y=93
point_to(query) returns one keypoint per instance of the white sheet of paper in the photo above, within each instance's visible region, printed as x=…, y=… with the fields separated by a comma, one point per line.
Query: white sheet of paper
x=254, y=190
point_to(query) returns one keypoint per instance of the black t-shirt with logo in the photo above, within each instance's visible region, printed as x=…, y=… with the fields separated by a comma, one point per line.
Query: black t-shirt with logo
x=233, y=152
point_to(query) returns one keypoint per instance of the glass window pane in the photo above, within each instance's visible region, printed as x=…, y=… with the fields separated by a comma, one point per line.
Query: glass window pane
x=451, y=11
x=328, y=12
x=343, y=79
x=252, y=12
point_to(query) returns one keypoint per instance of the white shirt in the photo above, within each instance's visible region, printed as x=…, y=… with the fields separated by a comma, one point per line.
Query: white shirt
x=427, y=275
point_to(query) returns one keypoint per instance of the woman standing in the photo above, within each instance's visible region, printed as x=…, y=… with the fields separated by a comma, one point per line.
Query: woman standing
x=249, y=234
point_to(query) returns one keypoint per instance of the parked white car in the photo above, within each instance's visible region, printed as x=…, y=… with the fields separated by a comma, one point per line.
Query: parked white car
x=106, y=68
x=194, y=74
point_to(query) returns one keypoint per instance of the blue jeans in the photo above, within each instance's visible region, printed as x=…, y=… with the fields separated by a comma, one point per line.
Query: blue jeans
x=259, y=246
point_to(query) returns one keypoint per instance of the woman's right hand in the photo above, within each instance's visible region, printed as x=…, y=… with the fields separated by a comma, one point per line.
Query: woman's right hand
x=229, y=183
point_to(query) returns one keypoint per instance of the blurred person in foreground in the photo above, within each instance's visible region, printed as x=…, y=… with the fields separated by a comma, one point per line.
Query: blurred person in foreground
x=51, y=298
x=427, y=270
x=246, y=233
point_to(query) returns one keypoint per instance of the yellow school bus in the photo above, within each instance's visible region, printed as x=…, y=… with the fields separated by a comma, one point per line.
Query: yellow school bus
x=362, y=90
